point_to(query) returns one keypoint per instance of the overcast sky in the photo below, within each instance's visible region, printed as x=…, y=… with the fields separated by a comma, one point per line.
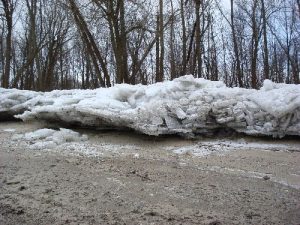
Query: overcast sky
x=226, y=3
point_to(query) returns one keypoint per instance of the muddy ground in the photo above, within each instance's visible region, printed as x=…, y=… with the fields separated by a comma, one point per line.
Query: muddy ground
x=125, y=178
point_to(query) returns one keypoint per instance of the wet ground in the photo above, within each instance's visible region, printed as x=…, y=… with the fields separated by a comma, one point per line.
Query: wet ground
x=126, y=178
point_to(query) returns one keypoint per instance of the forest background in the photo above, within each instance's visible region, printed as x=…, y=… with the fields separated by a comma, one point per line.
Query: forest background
x=67, y=44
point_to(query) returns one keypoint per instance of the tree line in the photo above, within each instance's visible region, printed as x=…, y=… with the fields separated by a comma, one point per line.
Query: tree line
x=66, y=44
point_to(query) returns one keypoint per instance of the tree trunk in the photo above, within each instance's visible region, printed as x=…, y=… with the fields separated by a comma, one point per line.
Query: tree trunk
x=160, y=75
x=157, y=50
x=238, y=70
x=254, y=46
x=123, y=43
x=266, y=50
x=198, y=53
x=8, y=7
x=89, y=41
x=184, y=38
x=172, y=56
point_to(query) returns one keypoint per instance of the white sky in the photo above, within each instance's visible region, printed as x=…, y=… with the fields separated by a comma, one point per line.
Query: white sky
x=226, y=3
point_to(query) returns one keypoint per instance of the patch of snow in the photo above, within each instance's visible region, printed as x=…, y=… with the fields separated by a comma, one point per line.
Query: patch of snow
x=49, y=138
x=70, y=142
x=285, y=183
x=116, y=181
x=205, y=148
x=251, y=174
x=136, y=156
x=9, y=130
x=196, y=150
x=186, y=106
x=244, y=173
x=96, y=150
x=79, y=148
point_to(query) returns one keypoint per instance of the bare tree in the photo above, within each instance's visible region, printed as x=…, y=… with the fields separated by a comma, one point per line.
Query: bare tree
x=184, y=38
x=90, y=43
x=238, y=69
x=255, y=38
x=265, y=41
x=160, y=48
x=8, y=8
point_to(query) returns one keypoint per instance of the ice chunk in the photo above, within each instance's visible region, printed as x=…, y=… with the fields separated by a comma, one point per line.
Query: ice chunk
x=49, y=138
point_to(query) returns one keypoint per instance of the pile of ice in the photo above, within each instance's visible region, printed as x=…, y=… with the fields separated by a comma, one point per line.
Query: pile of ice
x=11, y=102
x=186, y=106
x=49, y=138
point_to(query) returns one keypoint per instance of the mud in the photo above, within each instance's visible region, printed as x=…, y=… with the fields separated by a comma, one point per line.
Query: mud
x=136, y=179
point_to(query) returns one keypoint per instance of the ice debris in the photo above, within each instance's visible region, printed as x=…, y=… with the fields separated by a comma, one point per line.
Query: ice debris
x=186, y=106
x=49, y=138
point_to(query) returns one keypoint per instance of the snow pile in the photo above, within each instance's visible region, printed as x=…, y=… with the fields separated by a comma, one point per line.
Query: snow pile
x=49, y=138
x=186, y=106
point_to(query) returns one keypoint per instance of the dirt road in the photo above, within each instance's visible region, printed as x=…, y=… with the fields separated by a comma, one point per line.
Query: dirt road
x=126, y=178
